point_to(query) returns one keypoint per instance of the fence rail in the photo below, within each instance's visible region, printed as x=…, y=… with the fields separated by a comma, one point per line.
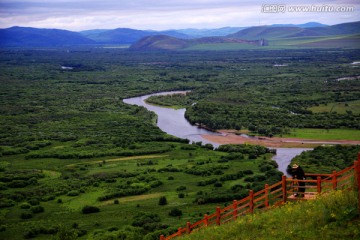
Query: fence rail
x=277, y=194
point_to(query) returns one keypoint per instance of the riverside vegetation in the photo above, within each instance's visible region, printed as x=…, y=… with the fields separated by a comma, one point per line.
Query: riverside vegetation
x=78, y=162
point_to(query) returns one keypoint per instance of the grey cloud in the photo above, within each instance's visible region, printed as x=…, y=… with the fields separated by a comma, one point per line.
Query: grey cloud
x=142, y=14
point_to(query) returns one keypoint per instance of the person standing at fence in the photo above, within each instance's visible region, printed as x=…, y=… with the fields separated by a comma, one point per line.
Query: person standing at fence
x=299, y=174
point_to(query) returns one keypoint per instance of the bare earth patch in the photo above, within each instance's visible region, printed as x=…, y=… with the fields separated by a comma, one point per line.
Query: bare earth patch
x=132, y=198
x=228, y=137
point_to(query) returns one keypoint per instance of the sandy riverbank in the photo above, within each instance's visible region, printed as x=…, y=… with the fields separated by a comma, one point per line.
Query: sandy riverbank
x=228, y=137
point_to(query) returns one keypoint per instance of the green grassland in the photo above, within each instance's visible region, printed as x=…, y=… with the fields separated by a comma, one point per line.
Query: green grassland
x=338, y=107
x=338, y=41
x=69, y=185
x=222, y=47
x=324, y=134
x=345, y=41
x=333, y=216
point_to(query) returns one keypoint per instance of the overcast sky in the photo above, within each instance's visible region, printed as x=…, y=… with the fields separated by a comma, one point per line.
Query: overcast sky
x=168, y=14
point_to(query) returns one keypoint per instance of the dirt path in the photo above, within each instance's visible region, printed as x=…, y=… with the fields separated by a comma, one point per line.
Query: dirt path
x=118, y=159
x=276, y=142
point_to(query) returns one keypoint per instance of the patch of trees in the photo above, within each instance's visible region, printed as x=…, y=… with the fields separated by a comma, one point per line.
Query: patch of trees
x=90, y=209
x=20, y=179
x=325, y=159
x=131, y=187
x=149, y=222
x=253, y=151
x=94, y=153
x=206, y=170
x=171, y=100
x=221, y=197
x=175, y=212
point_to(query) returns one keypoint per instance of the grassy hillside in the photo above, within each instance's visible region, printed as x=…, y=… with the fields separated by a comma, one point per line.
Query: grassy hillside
x=333, y=216
x=266, y=32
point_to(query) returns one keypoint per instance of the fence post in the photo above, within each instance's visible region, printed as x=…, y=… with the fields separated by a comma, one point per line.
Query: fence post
x=206, y=220
x=218, y=215
x=235, y=209
x=357, y=177
x=251, y=203
x=319, y=184
x=266, y=195
x=334, y=180
x=162, y=237
x=284, y=188
x=188, y=229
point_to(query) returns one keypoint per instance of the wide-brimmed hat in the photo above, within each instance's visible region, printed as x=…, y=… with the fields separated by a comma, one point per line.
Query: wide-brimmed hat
x=295, y=166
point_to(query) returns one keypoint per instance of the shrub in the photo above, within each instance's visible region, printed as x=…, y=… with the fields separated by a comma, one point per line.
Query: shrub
x=25, y=206
x=181, y=195
x=181, y=188
x=37, y=209
x=73, y=193
x=66, y=233
x=249, y=179
x=48, y=198
x=3, y=186
x=26, y=215
x=116, y=201
x=90, y=209
x=4, y=203
x=175, y=212
x=162, y=201
x=34, y=202
x=18, y=184
x=248, y=172
x=31, y=233
x=142, y=219
x=218, y=184
x=59, y=200
x=111, y=229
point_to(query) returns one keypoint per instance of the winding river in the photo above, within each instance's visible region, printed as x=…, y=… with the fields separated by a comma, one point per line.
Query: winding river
x=173, y=122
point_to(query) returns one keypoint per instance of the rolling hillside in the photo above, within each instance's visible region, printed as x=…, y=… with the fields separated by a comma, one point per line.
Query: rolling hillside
x=163, y=42
x=159, y=42
x=276, y=32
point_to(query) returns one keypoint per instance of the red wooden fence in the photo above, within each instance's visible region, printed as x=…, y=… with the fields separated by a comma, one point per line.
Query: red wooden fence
x=278, y=194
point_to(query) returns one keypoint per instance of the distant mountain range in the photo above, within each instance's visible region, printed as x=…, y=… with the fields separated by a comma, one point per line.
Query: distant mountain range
x=126, y=35
x=35, y=37
x=182, y=38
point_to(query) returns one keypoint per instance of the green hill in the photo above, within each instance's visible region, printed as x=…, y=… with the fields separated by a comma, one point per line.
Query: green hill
x=159, y=42
x=333, y=216
x=163, y=42
x=271, y=32
x=267, y=32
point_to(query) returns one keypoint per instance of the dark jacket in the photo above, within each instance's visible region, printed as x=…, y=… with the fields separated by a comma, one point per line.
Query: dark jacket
x=298, y=173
